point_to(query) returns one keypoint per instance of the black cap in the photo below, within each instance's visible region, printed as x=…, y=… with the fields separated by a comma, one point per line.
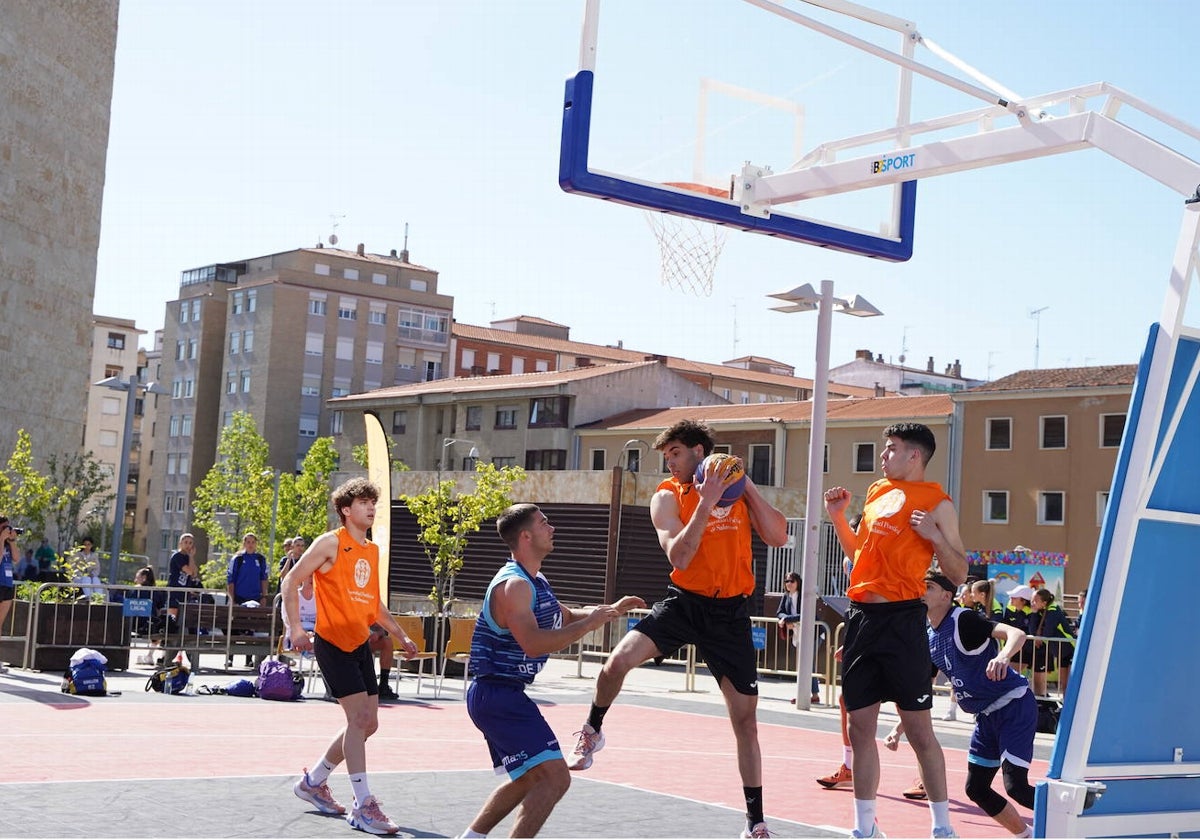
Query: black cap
x=942, y=581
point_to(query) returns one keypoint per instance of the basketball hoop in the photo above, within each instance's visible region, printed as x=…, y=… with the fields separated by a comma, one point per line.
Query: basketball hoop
x=688, y=247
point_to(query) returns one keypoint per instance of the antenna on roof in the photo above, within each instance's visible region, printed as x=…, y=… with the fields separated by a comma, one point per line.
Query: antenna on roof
x=404, y=250
x=1036, y=315
x=333, y=238
x=904, y=345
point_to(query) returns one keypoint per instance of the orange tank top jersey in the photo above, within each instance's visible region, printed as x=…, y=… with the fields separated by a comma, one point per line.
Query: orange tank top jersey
x=892, y=558
x=722, y=566
x=348, y=594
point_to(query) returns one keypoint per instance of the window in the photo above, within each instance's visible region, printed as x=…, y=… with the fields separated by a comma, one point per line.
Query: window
x=116, y=341
x=760, y=464
x=322, y=269
x=235, y=343
x=348, y=309
x=518, y=364
x=189, y=388
x=418, y=285
x=196, y=310
x=995, y=507
x=377, y=317
x=317, y=306
x=474, y=418
x=237, y=303
x=247, y=341
x=113, y=370
x=493, y=361
x=598, y=456
x=374, y=353
x=1112, y=427
x=314, y=344
x=345, y=348
x=547, y=412
x=245, y=381
x=108, y=437
x=335, y=422
x=506, y=418
x=1101, y=506
x=825, y=463
x=426, y=325
x=379, y=279
x=864, y=457
x=1054, y=432
x=1052, y=507
x=433, y=370
x=252, y=300
x=633, y=459
x=500, y=461
x=350, y=273
x=181, y=503
x=227, y=419
x=180, y=350
x=185, y=427
x=546, y=459
x=172, y=463
x=185, y=463
x=231, y=382
x=340, y=391
x=110, y=405
x=183, y=312
x=176, y=389
x=399, y=422
x=999, y=433
x=468, y=359
x=173, y=426
x=193, y=346
x=308, y=425
x=166, y=503
x=310, y=391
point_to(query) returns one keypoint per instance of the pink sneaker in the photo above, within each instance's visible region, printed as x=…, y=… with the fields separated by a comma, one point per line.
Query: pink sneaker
x=369, y=818
x=319, y=796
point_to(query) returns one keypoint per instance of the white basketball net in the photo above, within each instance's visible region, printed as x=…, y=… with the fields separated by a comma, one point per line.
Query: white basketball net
x=688, y=249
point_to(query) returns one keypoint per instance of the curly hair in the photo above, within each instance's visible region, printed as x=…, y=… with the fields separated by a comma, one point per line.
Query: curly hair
x=688, y=432
x=347, y=492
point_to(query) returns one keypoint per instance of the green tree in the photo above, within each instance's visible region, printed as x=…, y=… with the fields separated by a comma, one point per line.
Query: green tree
x=447, y=520
x=359, y=454
x=25, y=493
x=304, y=498
x=235, y=496
x=82, y=485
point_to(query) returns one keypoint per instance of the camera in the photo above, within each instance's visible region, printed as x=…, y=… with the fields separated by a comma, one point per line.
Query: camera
x=18, y=531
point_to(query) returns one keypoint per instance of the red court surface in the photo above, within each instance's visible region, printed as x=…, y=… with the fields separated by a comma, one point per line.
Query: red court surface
x=679, y=753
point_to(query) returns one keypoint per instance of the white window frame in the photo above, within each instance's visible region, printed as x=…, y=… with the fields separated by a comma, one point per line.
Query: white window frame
x=185, y=425
x=195, y=309
x=173, y=426
x=252, y=300
x=379, y=279
x=350, y=273
x=314, y=344
x=235, y=343
x=1042, y=432
x=418, y=284
x=231, y=382
x=335, y=422
x=345, y=348
x=308, y=425
x=247, y=341
x=854, y=450
x=988, y=519
x=189, y=388
x=987, y=434
x=1125, y=418
x=373, y=352
x=245, y=377
x=1101, y=505
x=321, y=269
x=110, y=406
x=107, y=437
x=318, y=306
x=237, y=303
x=1043, y=496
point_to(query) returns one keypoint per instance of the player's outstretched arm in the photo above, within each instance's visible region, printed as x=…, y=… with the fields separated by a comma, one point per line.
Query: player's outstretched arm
x=511, y=610
x=837, y=500
x=767, y=520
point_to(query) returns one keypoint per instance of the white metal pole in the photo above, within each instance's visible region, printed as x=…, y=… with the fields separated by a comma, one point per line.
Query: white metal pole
x=114, y=559
x=813, y=501
x=274, y=515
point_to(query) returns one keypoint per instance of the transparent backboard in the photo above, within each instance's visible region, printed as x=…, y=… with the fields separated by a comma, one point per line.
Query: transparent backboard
x=670, y=92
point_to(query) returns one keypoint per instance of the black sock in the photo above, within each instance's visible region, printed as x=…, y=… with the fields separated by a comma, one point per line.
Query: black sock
x=754, y=808
x=596, y=716
x=385, y=674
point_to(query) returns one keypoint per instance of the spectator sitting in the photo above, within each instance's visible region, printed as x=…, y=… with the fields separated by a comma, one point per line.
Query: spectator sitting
x=46, y=558
x=145, y=586
x=28, y=570
x=87, y=570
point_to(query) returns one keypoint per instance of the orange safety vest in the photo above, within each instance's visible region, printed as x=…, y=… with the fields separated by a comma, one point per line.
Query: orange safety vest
x=348, y=594
x=892, y=558
x=722, y=566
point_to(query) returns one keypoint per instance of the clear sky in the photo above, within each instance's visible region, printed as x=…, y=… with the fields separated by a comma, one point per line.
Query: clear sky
x=250, y=127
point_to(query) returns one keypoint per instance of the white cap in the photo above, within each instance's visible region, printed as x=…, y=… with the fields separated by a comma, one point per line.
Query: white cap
x=1025, y=592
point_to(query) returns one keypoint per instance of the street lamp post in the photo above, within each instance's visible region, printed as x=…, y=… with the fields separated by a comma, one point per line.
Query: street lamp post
x=806, y=299
x=634, y=464
x=131, y=387
x=274, y=516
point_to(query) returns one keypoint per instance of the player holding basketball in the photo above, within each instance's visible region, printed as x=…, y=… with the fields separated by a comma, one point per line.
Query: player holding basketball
x=712, y=578
x=885, y=656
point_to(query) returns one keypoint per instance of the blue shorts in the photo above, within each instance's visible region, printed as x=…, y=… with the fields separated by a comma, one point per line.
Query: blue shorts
x=1005, y=734
x=517, y=735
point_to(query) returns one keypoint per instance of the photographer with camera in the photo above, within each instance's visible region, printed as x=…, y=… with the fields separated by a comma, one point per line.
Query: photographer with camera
x=8, y=549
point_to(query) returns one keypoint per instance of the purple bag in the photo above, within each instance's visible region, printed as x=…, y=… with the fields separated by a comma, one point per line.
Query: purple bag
x=276, y=681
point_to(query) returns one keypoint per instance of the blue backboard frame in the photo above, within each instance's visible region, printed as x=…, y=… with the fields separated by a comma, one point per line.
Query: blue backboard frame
x=574, y=176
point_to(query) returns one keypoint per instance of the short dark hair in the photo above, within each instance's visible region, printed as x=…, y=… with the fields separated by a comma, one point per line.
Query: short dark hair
x=512, y=521
x=688, y=432
x=347, y=492
x=942, y=581
x=914, y=434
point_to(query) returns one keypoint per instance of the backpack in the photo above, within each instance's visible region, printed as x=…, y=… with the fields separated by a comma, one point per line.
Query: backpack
x=233, y=688
x=1048, y=711
x=171, y=679
x=86, y=678
x=276, y=681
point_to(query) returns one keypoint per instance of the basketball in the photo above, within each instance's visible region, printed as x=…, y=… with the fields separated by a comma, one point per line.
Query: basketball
x=725, y=466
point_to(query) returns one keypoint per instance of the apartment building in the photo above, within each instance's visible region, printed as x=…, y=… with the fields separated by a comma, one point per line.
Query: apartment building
x=526, y=344
x=1038, y=450
x=871, y=371
x=277, y=336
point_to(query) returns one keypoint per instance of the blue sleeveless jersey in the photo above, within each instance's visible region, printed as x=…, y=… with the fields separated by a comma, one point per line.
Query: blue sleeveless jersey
x=494, y=651
x=967, y=669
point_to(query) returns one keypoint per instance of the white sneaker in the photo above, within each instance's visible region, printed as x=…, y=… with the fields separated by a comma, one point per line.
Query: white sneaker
x=875, y=832
x=590, y=742
x=950, y=715
x=948, y=831
x=369, y=818
x=756, y=831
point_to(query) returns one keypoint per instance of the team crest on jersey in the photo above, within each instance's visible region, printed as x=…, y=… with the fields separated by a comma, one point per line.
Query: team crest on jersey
x=720, y=512
x=887, y=505
x=362, y=572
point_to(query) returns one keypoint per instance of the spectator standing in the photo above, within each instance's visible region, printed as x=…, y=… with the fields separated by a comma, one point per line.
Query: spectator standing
x=248, y=578
x=520, y=624
x=1017, y=615
x=344, y=567
x=8, y=583
x=1048, y=621
x=788, y=615
x=712, y=578
x=182, y=571
x=985, y=600
x=906, y=521
x=46, y=558
x=291, y=553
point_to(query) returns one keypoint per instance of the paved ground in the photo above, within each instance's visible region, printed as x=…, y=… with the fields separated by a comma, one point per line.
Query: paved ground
x=143, y=765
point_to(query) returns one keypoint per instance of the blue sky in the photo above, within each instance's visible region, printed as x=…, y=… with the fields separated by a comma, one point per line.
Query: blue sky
x=247, y=128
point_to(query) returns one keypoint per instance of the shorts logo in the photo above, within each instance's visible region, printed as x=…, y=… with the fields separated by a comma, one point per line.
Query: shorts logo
x=362, y=572
x=922, y=698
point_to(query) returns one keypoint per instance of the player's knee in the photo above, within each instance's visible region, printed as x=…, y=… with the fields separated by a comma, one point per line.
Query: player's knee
x=553, y=779
x=1016, y=783
x=979, y=789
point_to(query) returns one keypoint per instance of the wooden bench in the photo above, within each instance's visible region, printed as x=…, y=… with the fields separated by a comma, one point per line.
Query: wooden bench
x=225, y=629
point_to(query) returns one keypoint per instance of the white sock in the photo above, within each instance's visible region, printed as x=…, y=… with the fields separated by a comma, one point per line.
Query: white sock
x=864, y=816
x=1026, y=832
x=362, y=791
x=940, y=811
x=319, y=774
x=848, y=756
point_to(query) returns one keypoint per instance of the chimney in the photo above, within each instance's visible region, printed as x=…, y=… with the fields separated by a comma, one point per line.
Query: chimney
x=361, y=249
x=879, y=391
x=393, y=254
x=929, y=365
x=949, y=370
x=956, y=371
x=403, y=255
x=879, y=358
x=862, y=354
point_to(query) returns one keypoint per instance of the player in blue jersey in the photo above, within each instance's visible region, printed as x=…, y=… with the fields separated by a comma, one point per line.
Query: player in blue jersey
x=963, y=646
x=520, y=625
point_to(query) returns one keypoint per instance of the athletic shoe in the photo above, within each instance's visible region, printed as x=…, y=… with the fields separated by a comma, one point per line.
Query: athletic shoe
x=841, y=777
x=917, y=791
x=590, y=742
x=757, y=830
x=320, y=796
x=950, y=715
x=948, y=831
x=386, y=693
x=875, y=832
x=367, y=817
